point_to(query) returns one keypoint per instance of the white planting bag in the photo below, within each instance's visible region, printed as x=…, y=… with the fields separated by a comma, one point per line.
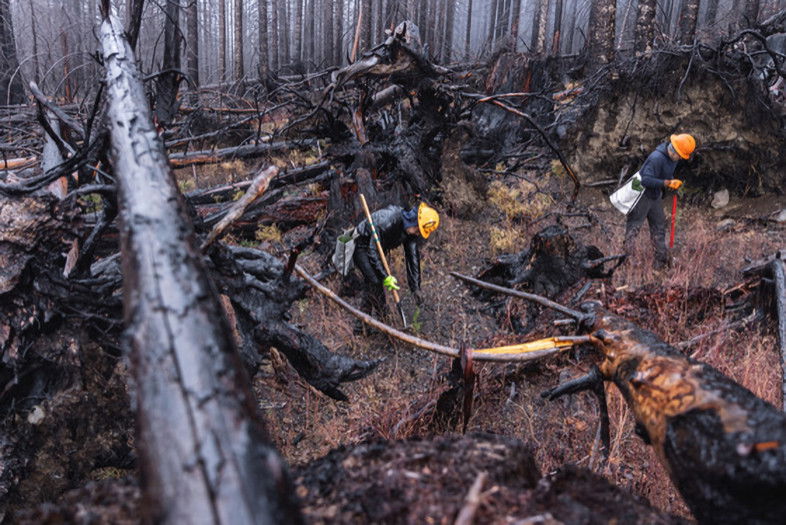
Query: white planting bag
x=345, y=248
x=628, y=195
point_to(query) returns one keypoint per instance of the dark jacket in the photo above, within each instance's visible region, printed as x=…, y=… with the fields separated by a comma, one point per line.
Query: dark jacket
x=657, y=168
x=390, y=228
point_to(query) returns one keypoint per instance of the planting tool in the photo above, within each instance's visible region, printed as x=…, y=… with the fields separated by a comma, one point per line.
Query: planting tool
x=673, y=220
x=396, y=298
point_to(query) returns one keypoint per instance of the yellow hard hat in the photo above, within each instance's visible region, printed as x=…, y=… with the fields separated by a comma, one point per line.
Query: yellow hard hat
x=428, y=219
x=683, y=144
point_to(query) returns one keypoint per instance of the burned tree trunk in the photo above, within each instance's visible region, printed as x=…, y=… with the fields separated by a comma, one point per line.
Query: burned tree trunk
x=687, y=22
x=600, y=40
x=204, y=454
x=712, y=12
x=543, y=22
x=327, y=28
x=192, y=23
x=264, y=63
x=724, y=448
x=645, y=26
x=169, y=81
x=11, y=90
x=555, y=44
x=338, y=34
x=222, y=42
x=237, y=55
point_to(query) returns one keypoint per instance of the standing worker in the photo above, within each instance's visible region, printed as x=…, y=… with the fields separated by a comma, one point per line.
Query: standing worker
x=656, y=175
x=395, y=226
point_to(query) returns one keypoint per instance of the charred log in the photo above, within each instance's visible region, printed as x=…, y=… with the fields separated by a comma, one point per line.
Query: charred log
x=724, y=448
x=261, y=293
x=211, y=455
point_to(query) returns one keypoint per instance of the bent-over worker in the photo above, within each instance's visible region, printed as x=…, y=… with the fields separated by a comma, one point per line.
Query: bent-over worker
x=395, y=226
x=657, y=174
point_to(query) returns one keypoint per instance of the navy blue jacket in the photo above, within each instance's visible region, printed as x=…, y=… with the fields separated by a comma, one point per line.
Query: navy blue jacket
x=657, y=168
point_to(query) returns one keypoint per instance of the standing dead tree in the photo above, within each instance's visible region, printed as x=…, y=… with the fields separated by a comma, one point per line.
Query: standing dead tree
x=204, y=454
x=11, y=91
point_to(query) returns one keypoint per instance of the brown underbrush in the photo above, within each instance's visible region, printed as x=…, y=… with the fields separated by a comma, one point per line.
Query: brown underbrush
x=400, y=399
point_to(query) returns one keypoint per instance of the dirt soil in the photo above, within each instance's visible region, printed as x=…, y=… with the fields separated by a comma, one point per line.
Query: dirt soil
x=347, y=473
x=426, y=481
x=398, y=401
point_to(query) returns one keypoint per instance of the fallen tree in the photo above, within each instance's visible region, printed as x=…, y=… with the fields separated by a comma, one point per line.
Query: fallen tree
x=204, y=454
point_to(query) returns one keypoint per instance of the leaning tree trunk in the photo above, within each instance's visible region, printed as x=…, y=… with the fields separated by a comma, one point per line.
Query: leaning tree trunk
x=11, y=90
x=203, y=453
x=687, y=22
x=600, y=42
x=645, y=26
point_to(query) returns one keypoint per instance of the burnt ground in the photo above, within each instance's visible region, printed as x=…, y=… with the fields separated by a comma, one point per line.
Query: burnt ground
x=397, y=402
x=426, y=481
x=354, y=461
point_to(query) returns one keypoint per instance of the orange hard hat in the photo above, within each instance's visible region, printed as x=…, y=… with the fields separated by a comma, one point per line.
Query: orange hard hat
x=683, y=144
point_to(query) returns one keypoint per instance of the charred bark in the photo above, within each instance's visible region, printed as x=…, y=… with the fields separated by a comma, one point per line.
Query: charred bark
x=237, y=55
x=645, y=26
x=687, y=21
x=180, y=160
x=264, y=61
x=192, y=54
x=210, y=459
x=11, y=90
x=724, y=448
x=338, y=36
x=169, y=80
x=553, y=262
x=261, y=292
x=600, y=40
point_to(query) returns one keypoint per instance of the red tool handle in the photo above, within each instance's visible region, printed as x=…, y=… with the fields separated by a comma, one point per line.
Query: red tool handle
x=673, y=220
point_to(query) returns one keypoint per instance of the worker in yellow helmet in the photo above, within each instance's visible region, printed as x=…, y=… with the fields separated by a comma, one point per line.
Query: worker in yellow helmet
x=657, y=175
x=395, y=227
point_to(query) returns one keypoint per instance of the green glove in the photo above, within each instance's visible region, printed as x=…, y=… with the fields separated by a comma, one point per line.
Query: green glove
x=391, y=283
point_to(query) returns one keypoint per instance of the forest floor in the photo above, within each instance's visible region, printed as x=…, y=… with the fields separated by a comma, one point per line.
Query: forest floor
x=358, y=461
x=397, y=401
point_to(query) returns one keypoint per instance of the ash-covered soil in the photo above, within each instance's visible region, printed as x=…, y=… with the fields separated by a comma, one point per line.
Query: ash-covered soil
x=427, y=480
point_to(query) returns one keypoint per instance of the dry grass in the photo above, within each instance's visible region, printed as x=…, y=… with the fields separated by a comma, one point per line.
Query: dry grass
x=395, y=402
x=521, y=200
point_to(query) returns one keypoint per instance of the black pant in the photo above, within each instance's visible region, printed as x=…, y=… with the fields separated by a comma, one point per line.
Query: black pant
x=374, y=294
x=652, y=210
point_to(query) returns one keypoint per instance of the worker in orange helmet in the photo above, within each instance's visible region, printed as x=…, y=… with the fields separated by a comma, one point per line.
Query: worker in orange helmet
x=657, y=174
